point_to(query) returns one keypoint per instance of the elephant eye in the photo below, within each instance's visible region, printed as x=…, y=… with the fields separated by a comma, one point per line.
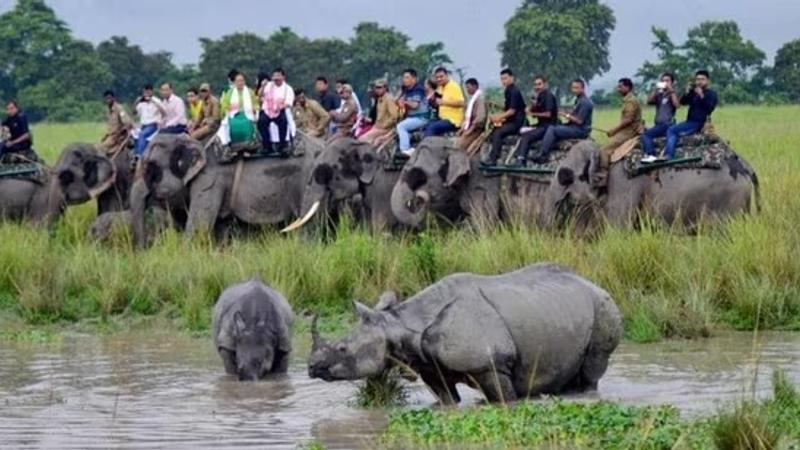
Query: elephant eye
x=341, y=348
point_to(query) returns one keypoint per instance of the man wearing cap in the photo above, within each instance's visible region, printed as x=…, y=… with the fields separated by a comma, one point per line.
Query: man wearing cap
x=386, y=118
x=118, y=125
x=345, y=117
x=309, y=115
x=208, y=121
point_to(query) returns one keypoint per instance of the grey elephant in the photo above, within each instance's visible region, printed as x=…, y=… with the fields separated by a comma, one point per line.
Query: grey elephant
x=252, y=327
x=443, y=181
x=117, y=198
x=539, y=330
x=350, y=174
x=156, y=222
x=80, y=175
x=682, y=196
x=188, y=180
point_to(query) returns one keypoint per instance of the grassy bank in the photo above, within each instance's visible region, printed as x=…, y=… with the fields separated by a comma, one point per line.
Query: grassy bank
x=741, y=275
x=772, y=424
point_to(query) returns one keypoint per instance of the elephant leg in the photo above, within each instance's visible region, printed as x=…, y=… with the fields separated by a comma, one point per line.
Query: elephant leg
x=281, y=363
x=496, y=386
x=204, y=211
x=443, y=388
x=228, y=360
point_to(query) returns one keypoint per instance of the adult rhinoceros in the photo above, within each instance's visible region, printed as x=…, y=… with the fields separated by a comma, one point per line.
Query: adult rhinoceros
x=540, y=330
x=682, y=195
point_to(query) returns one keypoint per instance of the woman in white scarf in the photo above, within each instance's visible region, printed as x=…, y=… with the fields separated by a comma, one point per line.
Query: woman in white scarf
x=239, y=113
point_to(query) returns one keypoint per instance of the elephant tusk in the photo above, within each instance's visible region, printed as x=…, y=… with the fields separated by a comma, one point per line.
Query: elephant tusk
x=300, y=222
x=96, y=192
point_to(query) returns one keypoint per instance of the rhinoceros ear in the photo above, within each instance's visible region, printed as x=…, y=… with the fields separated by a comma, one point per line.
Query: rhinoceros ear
x=366, y=314
x=388, y=300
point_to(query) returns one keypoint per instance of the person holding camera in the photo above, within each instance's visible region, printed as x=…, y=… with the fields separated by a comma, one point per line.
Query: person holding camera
x=702, y=102
x=667, y=103
x=150, y=113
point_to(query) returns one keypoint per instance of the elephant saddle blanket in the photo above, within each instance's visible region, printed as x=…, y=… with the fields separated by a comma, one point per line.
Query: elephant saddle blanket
x=695, y=151
x=532, y=171
x=27, y=171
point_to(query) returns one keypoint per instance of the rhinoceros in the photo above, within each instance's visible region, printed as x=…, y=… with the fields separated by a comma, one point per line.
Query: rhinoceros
x=539, y=330
x=252, y=330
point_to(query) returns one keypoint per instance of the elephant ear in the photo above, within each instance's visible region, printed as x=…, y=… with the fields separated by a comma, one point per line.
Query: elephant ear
x=458, y=167
x=369, y=163
x=99, y=174
x=188, y=159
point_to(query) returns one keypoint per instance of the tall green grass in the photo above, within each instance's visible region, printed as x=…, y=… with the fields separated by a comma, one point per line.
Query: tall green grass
x=666, y=284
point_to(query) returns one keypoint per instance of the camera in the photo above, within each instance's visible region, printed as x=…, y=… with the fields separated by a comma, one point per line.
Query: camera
x=661, y=85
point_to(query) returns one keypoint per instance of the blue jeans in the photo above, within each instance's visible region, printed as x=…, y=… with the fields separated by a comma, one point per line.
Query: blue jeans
x=177, y=129
x=651, y=133
x=439, y=128
x=144, y=135
x=560, y=132
x=406, y=127
x=674, y=134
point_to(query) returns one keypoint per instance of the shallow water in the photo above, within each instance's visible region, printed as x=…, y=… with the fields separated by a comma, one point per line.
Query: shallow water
x=155, y=390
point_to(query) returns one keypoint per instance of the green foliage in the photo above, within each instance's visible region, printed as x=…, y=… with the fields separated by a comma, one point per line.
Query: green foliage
x=132, y=68
x=786, y=71
x=372, y=52
x=744, y=274
x=564, y=39
x=42, y=64
x=382, y=391
x=736, y=64
x=749, y=425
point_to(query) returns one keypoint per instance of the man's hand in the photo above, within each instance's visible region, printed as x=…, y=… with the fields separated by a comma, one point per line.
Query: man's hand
x=699, y=92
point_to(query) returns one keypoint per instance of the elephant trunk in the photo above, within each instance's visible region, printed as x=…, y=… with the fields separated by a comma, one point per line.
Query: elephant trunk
x=139, y=195
x=409, y=206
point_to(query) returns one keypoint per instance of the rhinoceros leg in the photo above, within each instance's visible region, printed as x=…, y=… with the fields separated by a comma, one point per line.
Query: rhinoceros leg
x=442, y=385
x=281, y=363
x=497, y=387
x=228, y=360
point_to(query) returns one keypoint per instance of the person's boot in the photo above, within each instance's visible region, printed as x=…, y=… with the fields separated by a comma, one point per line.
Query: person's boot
x=600, y=179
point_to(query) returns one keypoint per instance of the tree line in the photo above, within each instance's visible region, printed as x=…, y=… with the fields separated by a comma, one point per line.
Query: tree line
x=60, y=78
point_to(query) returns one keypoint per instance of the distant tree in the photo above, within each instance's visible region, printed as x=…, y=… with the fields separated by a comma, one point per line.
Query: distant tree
x=377, y=51
x=734, y=63
x=786, y=71
x=565, y=39
x=52, y=74
x=131, y=67
x=246, y=52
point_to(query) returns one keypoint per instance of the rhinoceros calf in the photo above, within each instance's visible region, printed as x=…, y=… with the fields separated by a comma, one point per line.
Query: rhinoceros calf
x=252, y=330
x=540, y=330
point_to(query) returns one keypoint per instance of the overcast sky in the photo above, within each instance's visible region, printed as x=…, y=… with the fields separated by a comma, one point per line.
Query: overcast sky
x=470, y=29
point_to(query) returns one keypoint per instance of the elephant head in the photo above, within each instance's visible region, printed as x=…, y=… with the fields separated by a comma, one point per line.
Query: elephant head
x=340, y=173
x=170, y=164
x=82, y=174
x=429, y=182
x=572, y=188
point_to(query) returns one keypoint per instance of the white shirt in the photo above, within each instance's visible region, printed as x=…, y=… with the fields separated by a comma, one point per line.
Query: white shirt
x=175, y=111
x=148, y=112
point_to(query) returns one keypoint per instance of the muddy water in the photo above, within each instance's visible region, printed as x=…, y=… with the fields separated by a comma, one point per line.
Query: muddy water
x=152, y=390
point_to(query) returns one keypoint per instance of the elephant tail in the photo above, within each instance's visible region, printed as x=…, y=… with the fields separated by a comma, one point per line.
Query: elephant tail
x=756, y=190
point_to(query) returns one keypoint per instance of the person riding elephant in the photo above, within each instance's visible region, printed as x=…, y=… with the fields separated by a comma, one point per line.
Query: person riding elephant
x=80, y=175
x=446, y=182
x=179, y=172
x=350, y=173
x=675, y=195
